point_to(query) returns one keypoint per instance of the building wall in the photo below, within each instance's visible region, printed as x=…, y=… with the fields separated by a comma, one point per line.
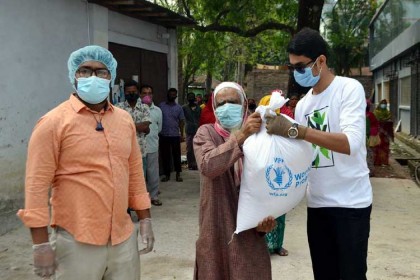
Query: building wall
x=402, y=97
x=37, y=38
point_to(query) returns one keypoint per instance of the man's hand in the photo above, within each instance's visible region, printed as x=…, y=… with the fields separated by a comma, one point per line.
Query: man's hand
x=44, y=260
x=252, y=125
x=146, y=235
x=280, y=125
x=267, y=225
x=143, y=127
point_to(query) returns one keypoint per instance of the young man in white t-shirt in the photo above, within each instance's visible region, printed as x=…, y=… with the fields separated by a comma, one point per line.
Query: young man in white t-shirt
x=339, y=193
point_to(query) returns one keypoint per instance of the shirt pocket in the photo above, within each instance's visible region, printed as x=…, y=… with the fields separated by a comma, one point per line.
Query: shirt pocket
x=121, y=143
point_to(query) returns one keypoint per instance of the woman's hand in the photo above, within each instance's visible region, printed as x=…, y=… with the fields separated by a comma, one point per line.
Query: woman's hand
x=251, y=126
x=267, y=225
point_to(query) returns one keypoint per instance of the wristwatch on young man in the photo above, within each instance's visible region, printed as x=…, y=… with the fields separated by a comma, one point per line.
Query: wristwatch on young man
x=293, y=131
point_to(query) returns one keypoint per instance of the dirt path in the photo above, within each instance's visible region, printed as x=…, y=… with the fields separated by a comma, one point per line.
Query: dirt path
x=393, y=247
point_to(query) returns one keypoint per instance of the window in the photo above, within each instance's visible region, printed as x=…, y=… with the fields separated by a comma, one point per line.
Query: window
x=385, y=93
x=405, y=91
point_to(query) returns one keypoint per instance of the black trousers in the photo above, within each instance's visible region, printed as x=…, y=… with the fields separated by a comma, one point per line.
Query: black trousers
x=170, y=147
x=338, y=242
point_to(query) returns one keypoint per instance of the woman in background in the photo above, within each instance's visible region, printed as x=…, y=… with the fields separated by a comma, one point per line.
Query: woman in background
x=386, y=133
x=372, y=130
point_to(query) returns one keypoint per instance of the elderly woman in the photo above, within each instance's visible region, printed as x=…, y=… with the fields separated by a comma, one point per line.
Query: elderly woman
x=219, y=155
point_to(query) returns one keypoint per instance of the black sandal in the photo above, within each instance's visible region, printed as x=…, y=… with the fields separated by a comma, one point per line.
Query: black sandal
x=156, y=202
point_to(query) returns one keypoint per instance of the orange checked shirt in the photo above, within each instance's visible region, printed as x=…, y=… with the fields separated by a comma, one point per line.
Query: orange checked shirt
x=94, y=176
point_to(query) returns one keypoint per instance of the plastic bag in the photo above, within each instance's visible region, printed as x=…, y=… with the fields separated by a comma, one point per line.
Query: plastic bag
x=374, y=140
x=275, y=173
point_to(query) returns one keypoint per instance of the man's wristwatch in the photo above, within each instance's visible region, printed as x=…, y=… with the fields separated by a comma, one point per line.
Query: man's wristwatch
x=293, y=131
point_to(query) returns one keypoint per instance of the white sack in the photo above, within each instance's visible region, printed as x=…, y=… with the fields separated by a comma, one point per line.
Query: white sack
x=275, y=173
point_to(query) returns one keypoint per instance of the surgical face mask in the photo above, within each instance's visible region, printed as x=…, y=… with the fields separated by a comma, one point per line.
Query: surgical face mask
x=229, y=115
x=306, y=79
x=131, y=97
x=382, y=106
x=147, y=100
x=93, y=90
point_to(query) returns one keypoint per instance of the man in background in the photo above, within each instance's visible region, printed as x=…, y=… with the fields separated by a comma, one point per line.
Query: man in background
x=192, y=118
x=152, y=141
x=140, y=114
x=172, y=135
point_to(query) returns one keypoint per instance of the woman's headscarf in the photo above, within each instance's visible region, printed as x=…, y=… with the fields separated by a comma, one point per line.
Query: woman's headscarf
x=238, y=166
x=244, y=102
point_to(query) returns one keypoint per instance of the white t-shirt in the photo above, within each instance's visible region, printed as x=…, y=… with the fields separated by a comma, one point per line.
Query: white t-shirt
x=338, y=180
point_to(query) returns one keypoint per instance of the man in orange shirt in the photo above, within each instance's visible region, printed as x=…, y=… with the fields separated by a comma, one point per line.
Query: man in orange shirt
x=86, y=151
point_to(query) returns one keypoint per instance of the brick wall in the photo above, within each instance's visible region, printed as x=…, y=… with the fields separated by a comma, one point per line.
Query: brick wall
x=260, y=82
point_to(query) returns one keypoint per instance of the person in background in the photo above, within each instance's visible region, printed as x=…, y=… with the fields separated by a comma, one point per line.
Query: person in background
x=172, y=135
x=199, y=99
x=140, y=114
x=372, y=130
x=381, y=112
x=85, y=153
x=207, y=114
x=205, y=100
x=218, y=151
x=386, y=133
x=332, y=117
x=192, y=114
x=152, y=141
x=275, y=238
x=251, y=106
x=291, y=104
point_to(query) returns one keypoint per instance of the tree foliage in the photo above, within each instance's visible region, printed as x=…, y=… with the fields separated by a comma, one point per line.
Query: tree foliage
x=229, y=35
x=347, y=32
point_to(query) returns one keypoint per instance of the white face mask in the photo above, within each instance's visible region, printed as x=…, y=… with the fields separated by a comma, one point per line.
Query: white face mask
x=93, y=90
x=383, y=106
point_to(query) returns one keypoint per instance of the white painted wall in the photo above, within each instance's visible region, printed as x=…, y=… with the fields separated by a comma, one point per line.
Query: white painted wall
x=37, y=38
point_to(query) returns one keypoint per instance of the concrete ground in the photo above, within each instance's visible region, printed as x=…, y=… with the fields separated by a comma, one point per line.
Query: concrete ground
x=393, y=249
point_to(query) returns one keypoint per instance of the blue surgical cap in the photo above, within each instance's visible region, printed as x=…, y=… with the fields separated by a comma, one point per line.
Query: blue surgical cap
x=89, y=53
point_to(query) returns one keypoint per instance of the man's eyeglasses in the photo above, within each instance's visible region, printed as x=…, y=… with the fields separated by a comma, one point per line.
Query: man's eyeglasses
x=86, y=72
x=300, y=67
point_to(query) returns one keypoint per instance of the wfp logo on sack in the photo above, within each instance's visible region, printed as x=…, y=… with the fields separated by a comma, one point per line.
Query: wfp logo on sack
x=280, y=178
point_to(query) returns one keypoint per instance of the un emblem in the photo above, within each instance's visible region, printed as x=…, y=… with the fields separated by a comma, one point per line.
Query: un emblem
x=278, y=176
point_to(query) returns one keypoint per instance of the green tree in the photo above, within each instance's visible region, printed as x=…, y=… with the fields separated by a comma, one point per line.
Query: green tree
x=347, y=32
x=229, y=35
